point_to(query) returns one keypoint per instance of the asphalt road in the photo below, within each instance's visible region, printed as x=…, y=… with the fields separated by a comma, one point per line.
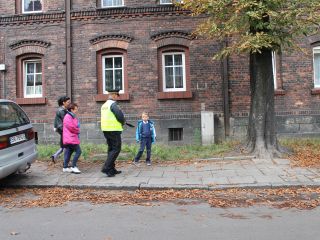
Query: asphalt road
x=183, y=220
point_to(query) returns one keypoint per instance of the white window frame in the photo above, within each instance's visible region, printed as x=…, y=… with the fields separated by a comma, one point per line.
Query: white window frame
x=113, y=69
x=174, y=89
x=274, y=68
x=35, y=74
x=112, y=6
x=39, y=11
x=316, y=50
x=162, y=2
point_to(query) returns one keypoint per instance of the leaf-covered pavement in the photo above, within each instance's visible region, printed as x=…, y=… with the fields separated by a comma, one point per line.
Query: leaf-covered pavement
x=300, y=198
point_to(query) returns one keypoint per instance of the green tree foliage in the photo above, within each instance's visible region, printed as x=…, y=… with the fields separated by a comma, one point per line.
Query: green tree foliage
x=253, y=25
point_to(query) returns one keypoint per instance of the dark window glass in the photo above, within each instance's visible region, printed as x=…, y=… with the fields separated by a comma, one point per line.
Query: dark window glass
x=175, y=134
x=11, y=116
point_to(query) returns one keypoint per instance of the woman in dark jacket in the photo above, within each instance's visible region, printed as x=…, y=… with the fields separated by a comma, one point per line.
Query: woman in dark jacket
x=63, y=103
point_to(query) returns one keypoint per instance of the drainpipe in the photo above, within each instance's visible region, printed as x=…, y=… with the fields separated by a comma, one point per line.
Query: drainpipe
x=3, y=95
x=3, y=70
x=68, y=48
x=225, y=90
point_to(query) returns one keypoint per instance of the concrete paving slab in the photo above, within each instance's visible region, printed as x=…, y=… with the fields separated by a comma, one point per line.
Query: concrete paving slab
x=158, y=173
x=176, y=174
x=188, y=181
x=215, y=181
x=162, y=181
x=242, y=179
x=136, y=180
x=201, y=175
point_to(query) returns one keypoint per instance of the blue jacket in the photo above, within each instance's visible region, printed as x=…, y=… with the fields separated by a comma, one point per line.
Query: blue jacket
x=139, y=129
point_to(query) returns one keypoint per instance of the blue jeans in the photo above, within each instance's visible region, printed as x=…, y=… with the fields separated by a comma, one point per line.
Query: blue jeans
x=69, y=149
x=144, y=143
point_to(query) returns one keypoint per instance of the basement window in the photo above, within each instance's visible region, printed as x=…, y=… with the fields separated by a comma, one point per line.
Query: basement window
x=175, y=134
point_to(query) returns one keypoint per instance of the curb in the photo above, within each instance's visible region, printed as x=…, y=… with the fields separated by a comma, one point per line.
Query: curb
x=143, y=186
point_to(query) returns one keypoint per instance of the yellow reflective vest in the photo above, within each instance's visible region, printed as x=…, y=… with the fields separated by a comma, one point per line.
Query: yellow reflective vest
x=109, y=121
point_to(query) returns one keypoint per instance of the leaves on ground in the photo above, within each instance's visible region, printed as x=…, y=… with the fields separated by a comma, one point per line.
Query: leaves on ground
x=306, y=153
x=301, y=198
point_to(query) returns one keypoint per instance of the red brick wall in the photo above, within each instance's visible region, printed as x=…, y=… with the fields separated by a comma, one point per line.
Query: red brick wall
x=54, y=56
x=7, y=8
x=205, y=74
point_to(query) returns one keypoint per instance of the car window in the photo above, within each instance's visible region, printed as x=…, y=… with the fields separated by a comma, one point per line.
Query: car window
x=11, y=116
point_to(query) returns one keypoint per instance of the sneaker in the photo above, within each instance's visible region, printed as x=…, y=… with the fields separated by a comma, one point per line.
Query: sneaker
x=68, y=170
x=148, y=163
x=75, y=170
x=53, y=159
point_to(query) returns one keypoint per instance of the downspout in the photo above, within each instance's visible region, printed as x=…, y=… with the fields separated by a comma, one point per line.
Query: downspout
x=3, y=72
x=225, y=90
x=68, y=49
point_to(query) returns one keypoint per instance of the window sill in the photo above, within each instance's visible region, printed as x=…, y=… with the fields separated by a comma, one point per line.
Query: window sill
x=104, y=97
x=279, y=92
x=110, y=7
x=31, y=101
x=172, y=95
x=315, y=91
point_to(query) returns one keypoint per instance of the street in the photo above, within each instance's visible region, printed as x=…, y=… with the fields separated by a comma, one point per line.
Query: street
x=159, y=220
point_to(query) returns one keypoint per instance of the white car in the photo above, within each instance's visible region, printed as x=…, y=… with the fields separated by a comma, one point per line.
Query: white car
x=17, y=139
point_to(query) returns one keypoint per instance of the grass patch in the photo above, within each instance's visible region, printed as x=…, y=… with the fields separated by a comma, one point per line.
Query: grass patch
x=92, y=152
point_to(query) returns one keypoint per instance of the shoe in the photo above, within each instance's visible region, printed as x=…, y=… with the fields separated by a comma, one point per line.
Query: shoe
x=110, y=174
x=52, y=159
x=75, y=170
x=148, y=163
x=68, y=170
x=103, y=170
x=115, y=171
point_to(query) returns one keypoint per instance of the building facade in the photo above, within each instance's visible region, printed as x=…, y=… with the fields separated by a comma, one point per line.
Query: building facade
x=145, y=48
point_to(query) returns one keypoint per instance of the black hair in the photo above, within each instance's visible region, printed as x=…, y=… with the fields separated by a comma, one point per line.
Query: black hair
x=62, y=99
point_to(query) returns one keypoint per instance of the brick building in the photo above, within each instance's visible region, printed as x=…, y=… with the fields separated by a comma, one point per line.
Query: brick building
x=81, y=47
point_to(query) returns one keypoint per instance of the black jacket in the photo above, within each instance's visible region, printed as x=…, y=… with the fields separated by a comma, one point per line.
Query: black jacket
x=118, y=113
x=58, y=120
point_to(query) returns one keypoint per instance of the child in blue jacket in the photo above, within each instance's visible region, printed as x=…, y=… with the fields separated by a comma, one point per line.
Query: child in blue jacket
x=146, y=135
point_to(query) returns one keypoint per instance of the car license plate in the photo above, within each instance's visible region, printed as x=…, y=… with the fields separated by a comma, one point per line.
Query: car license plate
x=17, y=138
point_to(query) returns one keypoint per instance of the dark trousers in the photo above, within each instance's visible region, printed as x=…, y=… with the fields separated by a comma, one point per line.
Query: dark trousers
x=114, y=148
x=144, y=143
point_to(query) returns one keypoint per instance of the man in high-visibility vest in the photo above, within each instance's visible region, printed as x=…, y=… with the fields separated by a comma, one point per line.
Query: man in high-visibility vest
x=112, y=120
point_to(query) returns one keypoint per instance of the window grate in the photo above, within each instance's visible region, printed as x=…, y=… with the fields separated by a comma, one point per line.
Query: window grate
x=175, y=134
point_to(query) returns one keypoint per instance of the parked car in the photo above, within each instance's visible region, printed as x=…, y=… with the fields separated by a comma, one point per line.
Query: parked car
x=17, y=139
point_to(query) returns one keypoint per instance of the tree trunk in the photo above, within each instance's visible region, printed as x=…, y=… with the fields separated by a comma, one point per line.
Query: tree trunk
x=261, y=137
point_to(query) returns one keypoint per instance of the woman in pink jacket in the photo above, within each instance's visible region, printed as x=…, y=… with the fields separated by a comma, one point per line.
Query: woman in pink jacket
x=71, y=141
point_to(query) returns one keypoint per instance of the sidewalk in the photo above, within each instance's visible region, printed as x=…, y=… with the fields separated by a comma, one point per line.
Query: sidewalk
x=208, y=174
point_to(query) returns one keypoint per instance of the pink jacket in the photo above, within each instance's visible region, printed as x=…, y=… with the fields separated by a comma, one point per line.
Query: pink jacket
x=71, y=130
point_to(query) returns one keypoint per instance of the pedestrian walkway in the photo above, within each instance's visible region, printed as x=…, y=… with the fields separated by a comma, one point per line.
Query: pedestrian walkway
x=202, y=174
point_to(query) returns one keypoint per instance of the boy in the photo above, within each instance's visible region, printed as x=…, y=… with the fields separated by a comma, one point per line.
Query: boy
x=146, y=135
